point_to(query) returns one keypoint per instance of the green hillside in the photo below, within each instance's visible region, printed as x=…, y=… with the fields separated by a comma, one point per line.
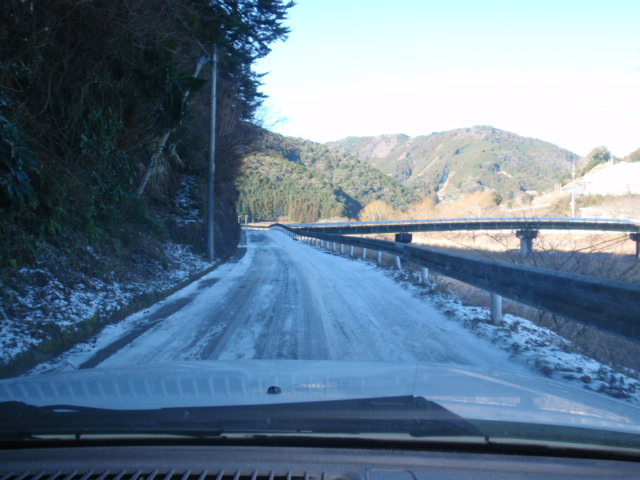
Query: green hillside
x=464, y=160
x=305, y=181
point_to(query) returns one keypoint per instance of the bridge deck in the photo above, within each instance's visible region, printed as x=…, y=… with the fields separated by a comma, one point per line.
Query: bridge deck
x=462, y=224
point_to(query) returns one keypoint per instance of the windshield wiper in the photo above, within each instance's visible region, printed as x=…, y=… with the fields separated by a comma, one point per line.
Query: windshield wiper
x=411, y=415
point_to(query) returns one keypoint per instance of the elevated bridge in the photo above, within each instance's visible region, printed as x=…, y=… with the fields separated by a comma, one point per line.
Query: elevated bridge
x=526, y=229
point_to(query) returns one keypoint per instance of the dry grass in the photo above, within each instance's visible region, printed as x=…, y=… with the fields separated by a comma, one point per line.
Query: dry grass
x=604, y=255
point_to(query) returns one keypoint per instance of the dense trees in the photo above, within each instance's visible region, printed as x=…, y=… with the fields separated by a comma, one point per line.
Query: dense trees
x=90, y=90
x=595, y=157
x=306, y=181
x=272, y=187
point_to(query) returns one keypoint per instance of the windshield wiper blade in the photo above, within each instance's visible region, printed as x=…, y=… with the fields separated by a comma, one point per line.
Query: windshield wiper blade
x=411, y=415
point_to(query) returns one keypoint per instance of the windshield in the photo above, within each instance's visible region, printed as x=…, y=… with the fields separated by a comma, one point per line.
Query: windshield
x=349, y=219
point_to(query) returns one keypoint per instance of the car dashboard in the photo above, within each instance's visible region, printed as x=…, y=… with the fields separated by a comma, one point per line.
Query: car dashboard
x=163, y=461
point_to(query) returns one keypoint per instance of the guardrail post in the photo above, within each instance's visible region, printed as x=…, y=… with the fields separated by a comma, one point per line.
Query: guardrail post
x=398, y=262
x=342, y=249
x=351, y=250
x=636, y=238
x=526, y=241
x=425, y=275
x=364, y=253
x=333, y=247
x=496, y=308
x=379, y=257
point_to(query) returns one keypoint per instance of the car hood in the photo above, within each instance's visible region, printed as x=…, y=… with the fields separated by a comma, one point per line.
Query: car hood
x=469, y=393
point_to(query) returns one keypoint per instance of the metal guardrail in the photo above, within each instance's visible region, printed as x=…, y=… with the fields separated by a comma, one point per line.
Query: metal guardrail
x=458, y=224
x=606, y=304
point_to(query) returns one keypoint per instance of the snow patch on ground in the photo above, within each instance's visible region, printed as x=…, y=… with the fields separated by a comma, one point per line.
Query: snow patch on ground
x=540, y=348
x=45, y=306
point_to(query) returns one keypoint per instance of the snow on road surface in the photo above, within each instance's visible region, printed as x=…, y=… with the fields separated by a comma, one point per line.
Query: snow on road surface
x=288, y=300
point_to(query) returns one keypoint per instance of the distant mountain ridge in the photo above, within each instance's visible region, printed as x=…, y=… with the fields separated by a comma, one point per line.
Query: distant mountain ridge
x=464, y=160
x=306, y=181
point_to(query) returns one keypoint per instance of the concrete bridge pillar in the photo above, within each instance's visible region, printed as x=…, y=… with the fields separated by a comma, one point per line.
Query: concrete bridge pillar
x=496, y=308
x=424, y=277
x=636, y=238
x=526, y=241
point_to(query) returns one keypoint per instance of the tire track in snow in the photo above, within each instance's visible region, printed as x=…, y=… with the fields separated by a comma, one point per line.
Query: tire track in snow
x=288, y=300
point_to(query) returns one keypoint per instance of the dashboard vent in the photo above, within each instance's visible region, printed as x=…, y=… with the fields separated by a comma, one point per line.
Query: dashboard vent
x=157, y=475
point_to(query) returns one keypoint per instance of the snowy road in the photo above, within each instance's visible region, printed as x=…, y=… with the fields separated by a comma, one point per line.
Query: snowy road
x=288, y=300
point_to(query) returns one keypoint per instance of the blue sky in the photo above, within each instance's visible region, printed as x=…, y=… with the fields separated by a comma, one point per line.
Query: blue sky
x=564, y=71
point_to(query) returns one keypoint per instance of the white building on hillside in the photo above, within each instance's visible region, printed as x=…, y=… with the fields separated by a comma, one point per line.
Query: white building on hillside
x=620, y=179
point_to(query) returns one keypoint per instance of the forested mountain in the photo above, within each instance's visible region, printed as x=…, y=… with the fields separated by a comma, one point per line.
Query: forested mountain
x=464, y=160
x=305, y=181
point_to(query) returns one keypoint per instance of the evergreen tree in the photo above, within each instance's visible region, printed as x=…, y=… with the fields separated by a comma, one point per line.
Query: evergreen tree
x=89, y=89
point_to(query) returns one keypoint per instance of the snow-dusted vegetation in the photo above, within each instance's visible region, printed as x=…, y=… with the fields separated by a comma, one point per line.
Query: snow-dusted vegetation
x=39, y=305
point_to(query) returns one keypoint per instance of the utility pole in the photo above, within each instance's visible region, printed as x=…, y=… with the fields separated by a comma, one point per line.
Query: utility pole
x=573, y=186
x=212, y=157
